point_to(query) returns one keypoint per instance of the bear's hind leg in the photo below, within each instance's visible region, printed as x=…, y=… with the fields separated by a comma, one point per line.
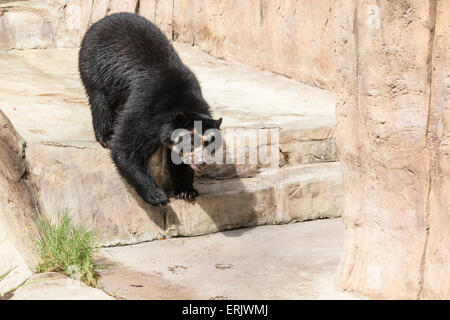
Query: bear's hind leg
x=102, y=119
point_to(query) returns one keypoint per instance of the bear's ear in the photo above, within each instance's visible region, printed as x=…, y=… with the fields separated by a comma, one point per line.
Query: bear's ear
x=180, y=118
x=218, y=123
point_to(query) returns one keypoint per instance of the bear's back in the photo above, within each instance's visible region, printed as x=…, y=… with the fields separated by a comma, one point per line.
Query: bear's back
x=125, y=44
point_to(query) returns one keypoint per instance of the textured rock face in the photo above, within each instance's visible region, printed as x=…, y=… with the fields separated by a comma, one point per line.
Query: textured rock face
x=26, y=25
x=159, y=12
x=17, y=208
x=75, y=16
x=54, y=286
x=86, y=182
x=292, y=37
x=53, y=23
x=393, y=137
x=436, y=268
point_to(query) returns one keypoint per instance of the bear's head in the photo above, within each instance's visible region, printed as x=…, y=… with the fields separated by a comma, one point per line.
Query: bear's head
x=195, y=138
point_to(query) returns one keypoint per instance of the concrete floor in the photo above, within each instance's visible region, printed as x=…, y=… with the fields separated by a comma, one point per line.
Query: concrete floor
x=294, y=261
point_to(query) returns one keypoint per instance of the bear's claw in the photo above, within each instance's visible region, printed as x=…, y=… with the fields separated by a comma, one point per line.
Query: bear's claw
x=186, y=194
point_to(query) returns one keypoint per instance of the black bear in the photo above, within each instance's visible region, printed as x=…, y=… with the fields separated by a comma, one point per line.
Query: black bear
x=140, y=91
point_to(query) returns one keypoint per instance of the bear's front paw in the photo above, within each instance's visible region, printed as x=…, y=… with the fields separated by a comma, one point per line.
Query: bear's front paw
x=157, y=198
x=186, y=194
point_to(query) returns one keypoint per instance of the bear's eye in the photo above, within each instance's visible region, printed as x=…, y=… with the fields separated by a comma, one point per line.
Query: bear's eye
x=180, y=139
x=211, y=140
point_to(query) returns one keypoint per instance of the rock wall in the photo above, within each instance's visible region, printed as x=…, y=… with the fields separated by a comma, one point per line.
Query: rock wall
x=53, y=23
x=436, y=264
x=393, y=117
x=27, y=24
x=17, y=209
x=292, y=37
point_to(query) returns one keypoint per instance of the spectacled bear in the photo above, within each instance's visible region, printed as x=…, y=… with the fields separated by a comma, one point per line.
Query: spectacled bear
x=139, y=92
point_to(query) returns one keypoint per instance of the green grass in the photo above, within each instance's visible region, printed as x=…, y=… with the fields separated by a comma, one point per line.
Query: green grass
x=64, y=247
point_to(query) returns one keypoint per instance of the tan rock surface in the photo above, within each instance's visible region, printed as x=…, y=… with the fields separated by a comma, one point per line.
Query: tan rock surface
x=159, y=12
x=99, y=10
x=293, y=37
x=54, y=286
x=27, y=24
x=436, y=265
x=12, y=261
x=18, y=208
x=122, y=6
x=72, y=20
x=277, y=196
x=392, y=143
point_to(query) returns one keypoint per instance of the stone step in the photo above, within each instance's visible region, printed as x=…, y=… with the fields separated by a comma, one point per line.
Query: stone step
x=85, y=181
x=293, y=147
x=47, y=104
x=241, y=158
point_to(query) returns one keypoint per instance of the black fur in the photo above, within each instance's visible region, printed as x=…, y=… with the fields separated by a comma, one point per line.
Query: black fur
x=137, y=88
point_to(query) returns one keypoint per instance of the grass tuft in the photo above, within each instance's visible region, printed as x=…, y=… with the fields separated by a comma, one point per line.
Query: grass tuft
x=64, y=247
